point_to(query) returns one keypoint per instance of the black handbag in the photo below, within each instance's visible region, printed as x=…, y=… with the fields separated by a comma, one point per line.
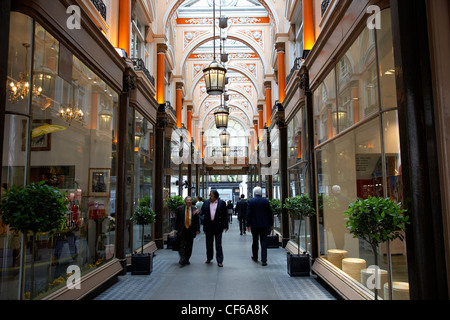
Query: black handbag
x=176, y=243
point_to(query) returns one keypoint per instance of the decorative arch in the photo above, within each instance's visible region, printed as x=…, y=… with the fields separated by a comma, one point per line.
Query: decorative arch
x=202, y=100
x=173, y=7
x=246, y=132
x=203, y=121
x=231, y=104
x=207, y=37
x=239, y=70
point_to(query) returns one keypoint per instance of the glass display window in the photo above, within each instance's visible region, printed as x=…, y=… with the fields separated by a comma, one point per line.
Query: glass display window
x=357, y=82
x=143, y=173
x=324, y=98
x=67, y=138
x=361, y=162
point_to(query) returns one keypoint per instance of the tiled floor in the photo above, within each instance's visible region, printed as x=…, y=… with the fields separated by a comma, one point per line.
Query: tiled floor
x=239, y=279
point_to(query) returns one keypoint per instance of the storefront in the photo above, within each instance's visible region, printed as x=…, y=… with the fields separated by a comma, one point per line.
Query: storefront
x=356, y=155
x=66, y=91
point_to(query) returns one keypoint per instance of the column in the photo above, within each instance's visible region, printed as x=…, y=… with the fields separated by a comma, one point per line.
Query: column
x=308, y=25
x=279, y=47
x=201, y=144
x=260, y=121
x=269, y=186
x=161, y=53
x=122, y=141
x=197, y=179
x=268, y=87
x=5, y=11
x=179, y=106
x=196, y=137
x=420, y=166
x=125, y=25
x=256, y=138
x=283, y=171
x=189, y=122
x=309, y=155
x=161, y=122
x=189, y=173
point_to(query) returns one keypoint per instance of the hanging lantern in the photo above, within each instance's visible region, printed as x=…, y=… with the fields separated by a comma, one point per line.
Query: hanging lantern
x=224, y=137
x=226, y=160
x=214, y=72
x=226, y=151
x=215, y=78
x=223, y=22
x=221, y=117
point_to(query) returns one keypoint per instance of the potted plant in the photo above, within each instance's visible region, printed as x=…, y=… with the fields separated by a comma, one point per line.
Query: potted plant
x=272, y=239
x=31, y=209
x=376, y=220
x=143, y=215
x=299, y=206
x=172, y=203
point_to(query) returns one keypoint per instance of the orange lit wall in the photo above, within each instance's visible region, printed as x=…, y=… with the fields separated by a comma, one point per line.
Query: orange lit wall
x=178, y=107
x=261, y=120
x=268, y=105
x=125, y=25
x=160, y=79
x=308, y=25
x=196, y=137
x=281, y=77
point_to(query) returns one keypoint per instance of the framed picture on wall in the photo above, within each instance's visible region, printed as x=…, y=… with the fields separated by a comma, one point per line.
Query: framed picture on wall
x=99, y=182
x=42, y=139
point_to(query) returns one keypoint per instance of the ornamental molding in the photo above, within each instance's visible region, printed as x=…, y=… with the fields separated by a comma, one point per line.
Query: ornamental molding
x=189, y=36
x=254, y=35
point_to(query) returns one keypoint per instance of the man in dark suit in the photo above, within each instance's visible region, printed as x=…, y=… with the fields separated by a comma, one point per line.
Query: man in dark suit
x=188, y=226
x=215, y=221
x=241, y=211
x=259, y=221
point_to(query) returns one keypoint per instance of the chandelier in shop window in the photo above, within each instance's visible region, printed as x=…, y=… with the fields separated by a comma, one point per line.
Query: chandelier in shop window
x=20, y=89
x=71, y=111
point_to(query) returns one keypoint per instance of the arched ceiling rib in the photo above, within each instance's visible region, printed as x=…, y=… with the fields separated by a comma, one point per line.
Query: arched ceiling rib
x=175, y=5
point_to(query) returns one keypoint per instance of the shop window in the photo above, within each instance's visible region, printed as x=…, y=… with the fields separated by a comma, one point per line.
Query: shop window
x=295, y=138
x=68, y=138
x=386, y=62
x=143, y=173
x=363, y=162
x=325, y=118
x=357, y=82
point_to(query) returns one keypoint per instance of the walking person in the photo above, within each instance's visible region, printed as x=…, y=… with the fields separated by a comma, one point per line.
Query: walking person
x=230, y=211
x=187, y=226
x=259, y=221
x=215, y=222
x=199, y=205
x=241, y=211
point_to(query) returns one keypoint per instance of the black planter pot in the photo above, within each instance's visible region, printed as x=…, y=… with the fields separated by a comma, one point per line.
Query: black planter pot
x=298, y=264
x=272, y=241
x=170, y=240
x=141, y=264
